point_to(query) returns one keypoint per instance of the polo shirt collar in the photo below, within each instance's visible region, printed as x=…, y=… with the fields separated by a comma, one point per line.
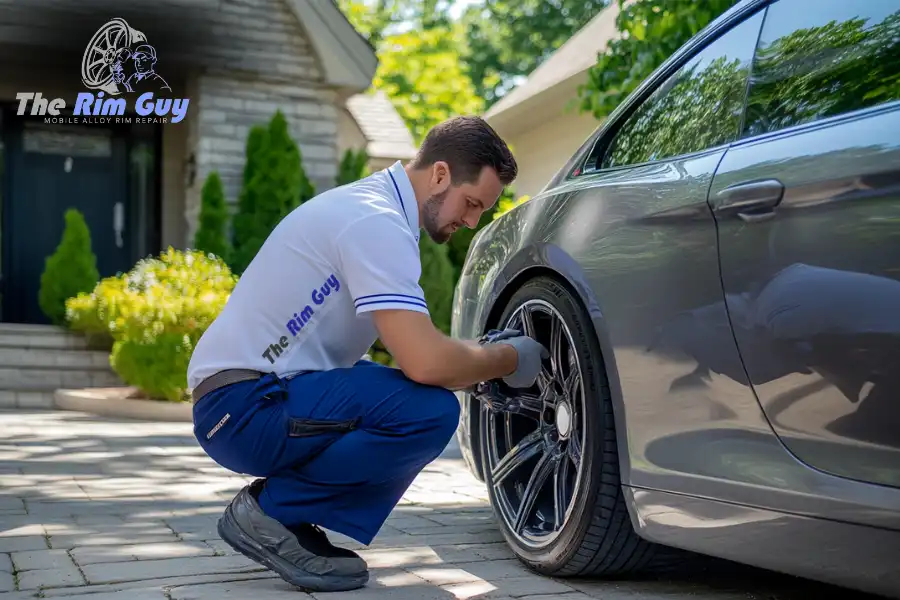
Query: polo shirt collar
x=405, y=196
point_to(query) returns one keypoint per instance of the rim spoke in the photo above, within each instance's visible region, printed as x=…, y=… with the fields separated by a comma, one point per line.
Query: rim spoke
x=532, y=404
x=556, y=349
x=530, y=446
x=560, y=490
x=545, y=383
x=536, y=482
x=528, y=323
x=574, y=449
x=572, y=385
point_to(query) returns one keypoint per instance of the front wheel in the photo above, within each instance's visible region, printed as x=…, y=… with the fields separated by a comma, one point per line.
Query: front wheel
x=551, y=467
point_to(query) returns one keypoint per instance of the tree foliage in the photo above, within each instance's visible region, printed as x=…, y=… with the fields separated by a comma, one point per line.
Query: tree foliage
x=375, y=19
x=649, y=32
x=421, y=73
x=508, y=39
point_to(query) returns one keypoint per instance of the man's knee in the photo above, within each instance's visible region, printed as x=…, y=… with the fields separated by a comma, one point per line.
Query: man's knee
x=442, y=406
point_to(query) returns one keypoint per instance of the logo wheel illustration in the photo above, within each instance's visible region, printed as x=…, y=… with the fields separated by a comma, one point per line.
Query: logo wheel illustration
x=101, y=54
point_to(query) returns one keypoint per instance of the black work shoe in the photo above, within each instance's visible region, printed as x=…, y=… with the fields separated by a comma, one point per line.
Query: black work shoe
x=316, y=541
x=247, y=529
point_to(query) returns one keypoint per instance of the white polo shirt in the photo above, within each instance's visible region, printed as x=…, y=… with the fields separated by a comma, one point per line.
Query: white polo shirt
x=305, y=301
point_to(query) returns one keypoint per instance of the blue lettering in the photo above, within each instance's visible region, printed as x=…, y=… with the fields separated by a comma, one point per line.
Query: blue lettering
x=296, y=324
x=145, y=106
x=318, y=296
x=294, y=327
x=83, y=103
x=333, y=283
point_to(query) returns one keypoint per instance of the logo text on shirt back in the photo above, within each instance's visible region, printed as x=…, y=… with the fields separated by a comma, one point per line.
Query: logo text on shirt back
x=296, y=323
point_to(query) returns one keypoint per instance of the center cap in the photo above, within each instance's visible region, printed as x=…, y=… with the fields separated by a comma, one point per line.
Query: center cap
x=563, y=419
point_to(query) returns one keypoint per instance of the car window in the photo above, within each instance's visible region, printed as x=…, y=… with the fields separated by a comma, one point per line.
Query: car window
x=697, y=107
x=822, y=58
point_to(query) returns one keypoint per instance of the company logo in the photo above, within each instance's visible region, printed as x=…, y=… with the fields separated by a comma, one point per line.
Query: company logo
x=120, y=66
x=300, y=319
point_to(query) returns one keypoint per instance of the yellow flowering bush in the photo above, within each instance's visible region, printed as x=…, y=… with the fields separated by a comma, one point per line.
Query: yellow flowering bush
x=504, y=205
x=155, y=314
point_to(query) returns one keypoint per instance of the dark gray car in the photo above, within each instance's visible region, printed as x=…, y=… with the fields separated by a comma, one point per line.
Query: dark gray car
x=716, y=273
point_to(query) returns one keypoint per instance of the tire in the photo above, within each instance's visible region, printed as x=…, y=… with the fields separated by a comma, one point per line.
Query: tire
x=597, y=538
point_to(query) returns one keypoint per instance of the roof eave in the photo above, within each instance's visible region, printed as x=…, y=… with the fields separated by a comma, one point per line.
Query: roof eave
x=550, y=102
x=348, y=60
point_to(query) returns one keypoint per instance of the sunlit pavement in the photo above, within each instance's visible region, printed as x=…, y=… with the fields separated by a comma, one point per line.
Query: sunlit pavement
x=127, y=509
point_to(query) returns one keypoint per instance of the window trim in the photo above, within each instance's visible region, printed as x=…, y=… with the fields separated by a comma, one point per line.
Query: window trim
x=617, y=118
x=828, y=122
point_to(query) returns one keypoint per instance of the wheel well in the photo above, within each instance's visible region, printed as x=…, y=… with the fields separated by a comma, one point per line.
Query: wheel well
x=493, y=318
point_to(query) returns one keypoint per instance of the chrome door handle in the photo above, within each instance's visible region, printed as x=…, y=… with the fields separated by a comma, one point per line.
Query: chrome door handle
x=766, y=193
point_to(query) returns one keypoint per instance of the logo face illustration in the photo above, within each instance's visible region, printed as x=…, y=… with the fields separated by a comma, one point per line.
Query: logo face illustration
x=119, y=60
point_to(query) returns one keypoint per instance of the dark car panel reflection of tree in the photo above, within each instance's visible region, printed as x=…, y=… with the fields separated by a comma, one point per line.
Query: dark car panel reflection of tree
x=719, y=264
x=801, y=75
x=699, y=108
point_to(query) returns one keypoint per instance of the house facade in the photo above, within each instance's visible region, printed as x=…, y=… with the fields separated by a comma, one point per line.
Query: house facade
x=137, y=177
x=539, y=118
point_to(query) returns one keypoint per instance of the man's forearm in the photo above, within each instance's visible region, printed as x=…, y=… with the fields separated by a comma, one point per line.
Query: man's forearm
x=458, y=364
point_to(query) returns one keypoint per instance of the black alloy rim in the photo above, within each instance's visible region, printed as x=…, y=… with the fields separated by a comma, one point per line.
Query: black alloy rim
x=535, y=454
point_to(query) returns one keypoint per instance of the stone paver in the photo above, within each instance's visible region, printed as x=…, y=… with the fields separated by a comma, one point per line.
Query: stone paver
x=98, y=509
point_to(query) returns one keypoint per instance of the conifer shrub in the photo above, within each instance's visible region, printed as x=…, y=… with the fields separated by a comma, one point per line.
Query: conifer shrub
x=354, y=166
x=70, y=270
x=212, y=232
x=275, y=183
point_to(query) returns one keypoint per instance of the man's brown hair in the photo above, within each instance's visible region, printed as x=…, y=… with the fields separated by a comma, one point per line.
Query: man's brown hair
x=467, y=144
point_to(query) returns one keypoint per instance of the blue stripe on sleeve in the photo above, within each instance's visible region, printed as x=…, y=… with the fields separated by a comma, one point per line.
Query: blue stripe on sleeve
x=390, y=296
x=393, y=301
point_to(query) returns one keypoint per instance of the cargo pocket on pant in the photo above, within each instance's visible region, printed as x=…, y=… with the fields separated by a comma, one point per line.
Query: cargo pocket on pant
x=299, y=427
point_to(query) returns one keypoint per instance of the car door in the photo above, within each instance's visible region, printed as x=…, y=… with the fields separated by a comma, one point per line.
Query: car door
x=808, y=211
x=634, y=216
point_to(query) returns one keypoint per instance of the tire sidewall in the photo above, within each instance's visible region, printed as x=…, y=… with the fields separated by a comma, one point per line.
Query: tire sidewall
x=555, y=555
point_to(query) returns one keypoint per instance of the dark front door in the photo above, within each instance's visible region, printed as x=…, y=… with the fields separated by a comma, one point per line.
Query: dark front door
x=54, y=168
x=808, y=206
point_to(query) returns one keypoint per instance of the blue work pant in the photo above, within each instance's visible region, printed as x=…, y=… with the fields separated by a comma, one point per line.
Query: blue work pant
x=338, y=448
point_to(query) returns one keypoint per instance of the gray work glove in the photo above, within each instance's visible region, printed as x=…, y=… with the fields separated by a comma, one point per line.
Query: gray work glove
x=530, y=352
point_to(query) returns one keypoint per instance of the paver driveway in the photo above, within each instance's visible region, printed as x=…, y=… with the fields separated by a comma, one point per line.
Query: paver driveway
x=126, y=509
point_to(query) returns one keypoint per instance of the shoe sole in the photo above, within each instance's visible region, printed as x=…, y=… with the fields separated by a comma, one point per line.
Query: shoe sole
x=238, y=539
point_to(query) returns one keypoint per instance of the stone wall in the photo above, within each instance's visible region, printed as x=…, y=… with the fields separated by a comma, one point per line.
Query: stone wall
x=268, y=64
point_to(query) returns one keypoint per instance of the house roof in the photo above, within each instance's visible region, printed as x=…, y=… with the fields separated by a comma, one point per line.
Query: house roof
x=348, y=60
x=574, y=57
x=383, y=128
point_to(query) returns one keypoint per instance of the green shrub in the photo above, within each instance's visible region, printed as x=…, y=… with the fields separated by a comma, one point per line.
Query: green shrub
x=275, y=183
x=70, y=270
x=155, y=314
x=354, y=166
x=243, y=222
x=437, y=281
x=212, y=236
